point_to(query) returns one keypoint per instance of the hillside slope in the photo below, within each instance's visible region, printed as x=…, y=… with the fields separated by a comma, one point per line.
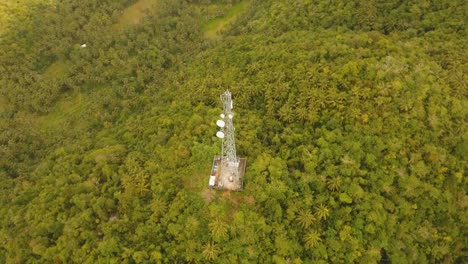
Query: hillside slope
x=351, y=114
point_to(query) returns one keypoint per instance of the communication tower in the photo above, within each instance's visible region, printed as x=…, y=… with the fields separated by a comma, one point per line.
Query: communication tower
x=228, y=169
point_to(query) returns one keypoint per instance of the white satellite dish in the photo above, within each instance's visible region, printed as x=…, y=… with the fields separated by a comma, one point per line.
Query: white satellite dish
x=230, y=116
x=220, y=123
x=220, y=134
x=221, y=115
x=83, y=46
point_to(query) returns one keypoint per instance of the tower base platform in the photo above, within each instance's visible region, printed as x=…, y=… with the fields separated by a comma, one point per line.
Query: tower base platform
x=221, y=178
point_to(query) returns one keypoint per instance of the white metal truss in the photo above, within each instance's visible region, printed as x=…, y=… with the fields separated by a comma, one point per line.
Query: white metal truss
x=230, y=160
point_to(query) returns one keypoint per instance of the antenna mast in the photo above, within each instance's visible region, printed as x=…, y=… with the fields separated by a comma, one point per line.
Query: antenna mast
x=229, y=144
x=228, y=169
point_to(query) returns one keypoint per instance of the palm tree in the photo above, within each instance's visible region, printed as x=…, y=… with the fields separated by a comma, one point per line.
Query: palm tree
x=218, y=229
x=405, y=104
x=140, y=182
x=322, y=212
x=286, y=114
x=305, y=218
x=191, y=250
x=334, y=184
x=302, y=113
x=158, y=206
x=211, y=251
x=312, y=238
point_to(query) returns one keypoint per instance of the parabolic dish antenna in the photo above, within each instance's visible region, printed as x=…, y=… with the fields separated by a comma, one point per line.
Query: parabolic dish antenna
x=220, y=123
x=220, y=134
x=221, y=115
x=230, y=116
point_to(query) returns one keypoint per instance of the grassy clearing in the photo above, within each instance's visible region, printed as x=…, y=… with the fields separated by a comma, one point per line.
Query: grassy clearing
x=130, y=16
x=3, y=104
x=212, y=28
x=65, y=110
x=58, y=68
x=133, y=14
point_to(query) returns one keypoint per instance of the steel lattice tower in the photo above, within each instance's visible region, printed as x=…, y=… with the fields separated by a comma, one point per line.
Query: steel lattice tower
x=230, y=162
x=228, y=169
x=229, y=144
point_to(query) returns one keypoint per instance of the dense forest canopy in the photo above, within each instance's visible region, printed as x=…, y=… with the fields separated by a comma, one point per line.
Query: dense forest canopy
x=352, y=116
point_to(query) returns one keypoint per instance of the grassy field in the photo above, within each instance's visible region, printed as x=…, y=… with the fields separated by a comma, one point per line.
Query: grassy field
x=66, y=110
x=3, y=105
x=211, y=30
x=133, y=14
x=57, y=68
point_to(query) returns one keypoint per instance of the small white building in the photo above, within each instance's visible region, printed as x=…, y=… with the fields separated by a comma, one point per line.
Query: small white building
x=212, y=181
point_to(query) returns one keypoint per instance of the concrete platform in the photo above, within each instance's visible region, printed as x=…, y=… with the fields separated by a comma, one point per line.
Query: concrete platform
x=222, y=175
